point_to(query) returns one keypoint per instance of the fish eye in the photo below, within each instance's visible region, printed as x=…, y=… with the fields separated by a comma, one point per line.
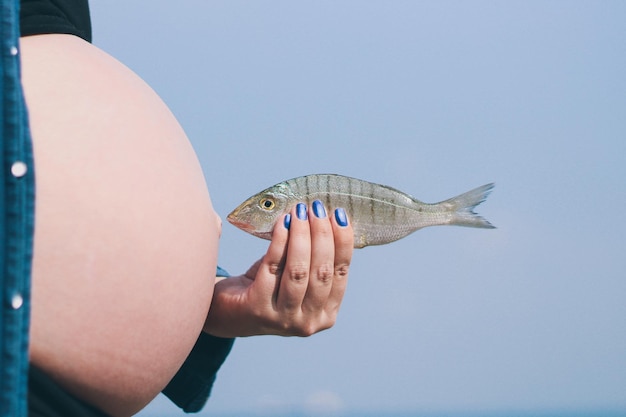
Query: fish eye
x=267, y=203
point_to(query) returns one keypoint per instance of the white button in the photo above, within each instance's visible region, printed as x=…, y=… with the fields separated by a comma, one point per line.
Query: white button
x=18, y=169
x=13, y=50
x=17, y=301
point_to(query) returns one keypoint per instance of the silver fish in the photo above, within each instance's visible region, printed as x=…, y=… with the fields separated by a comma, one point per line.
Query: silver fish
x=379, y=214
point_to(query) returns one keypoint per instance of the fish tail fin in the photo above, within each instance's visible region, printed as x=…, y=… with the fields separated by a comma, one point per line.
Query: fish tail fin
x=462, y=208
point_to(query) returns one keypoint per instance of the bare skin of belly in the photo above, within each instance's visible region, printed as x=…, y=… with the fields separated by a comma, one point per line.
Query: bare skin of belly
x=126, y=238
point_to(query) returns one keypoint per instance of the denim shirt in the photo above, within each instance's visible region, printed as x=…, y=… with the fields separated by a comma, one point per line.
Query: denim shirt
x=17, y=194
x=190, y=387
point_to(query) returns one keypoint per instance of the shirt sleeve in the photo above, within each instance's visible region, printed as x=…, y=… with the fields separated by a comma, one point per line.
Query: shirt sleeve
x=191, y=386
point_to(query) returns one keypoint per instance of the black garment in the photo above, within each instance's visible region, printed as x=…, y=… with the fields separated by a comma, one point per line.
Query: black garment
x=38, y=17
x=191, y=386
x=47, y=399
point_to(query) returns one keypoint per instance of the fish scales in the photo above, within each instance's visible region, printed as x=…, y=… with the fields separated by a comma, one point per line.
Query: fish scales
x=379, y=214
x=327, y=196
x=391, y=215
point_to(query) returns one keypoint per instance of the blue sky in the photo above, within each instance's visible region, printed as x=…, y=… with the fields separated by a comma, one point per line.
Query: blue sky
x=433, y=98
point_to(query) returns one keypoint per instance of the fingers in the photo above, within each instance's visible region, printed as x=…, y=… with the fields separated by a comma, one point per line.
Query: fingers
x=313, y=281
x=343, y=236
x=295, y=276
x=322, y=260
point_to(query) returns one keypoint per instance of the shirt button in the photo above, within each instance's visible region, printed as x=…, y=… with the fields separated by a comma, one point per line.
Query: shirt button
x=17, y=301
x=19, y=169
x=13, y=50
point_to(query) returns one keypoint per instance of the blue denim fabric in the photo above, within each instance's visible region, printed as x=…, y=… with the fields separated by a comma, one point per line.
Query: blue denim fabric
x=17, y=194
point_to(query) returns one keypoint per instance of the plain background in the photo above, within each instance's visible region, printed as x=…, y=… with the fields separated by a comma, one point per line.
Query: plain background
x=433, y=98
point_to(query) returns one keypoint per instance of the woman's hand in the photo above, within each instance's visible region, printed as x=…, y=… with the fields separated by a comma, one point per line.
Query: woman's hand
x=297, y=287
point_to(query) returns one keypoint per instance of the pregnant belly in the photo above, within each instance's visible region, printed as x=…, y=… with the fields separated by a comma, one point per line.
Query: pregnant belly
x=125, y=238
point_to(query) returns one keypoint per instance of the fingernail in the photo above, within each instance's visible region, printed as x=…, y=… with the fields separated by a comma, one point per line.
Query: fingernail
x=340, y=216
x=319, y=210
x=287, y=221
x=301, y=211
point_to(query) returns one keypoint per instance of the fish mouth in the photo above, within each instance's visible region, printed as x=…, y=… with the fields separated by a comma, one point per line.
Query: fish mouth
x=238, y=223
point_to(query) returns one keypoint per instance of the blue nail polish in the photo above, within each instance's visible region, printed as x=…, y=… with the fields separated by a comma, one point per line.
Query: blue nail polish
x=340, y=216
x=287, y=221
x=301, y=211
x=319, y=210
